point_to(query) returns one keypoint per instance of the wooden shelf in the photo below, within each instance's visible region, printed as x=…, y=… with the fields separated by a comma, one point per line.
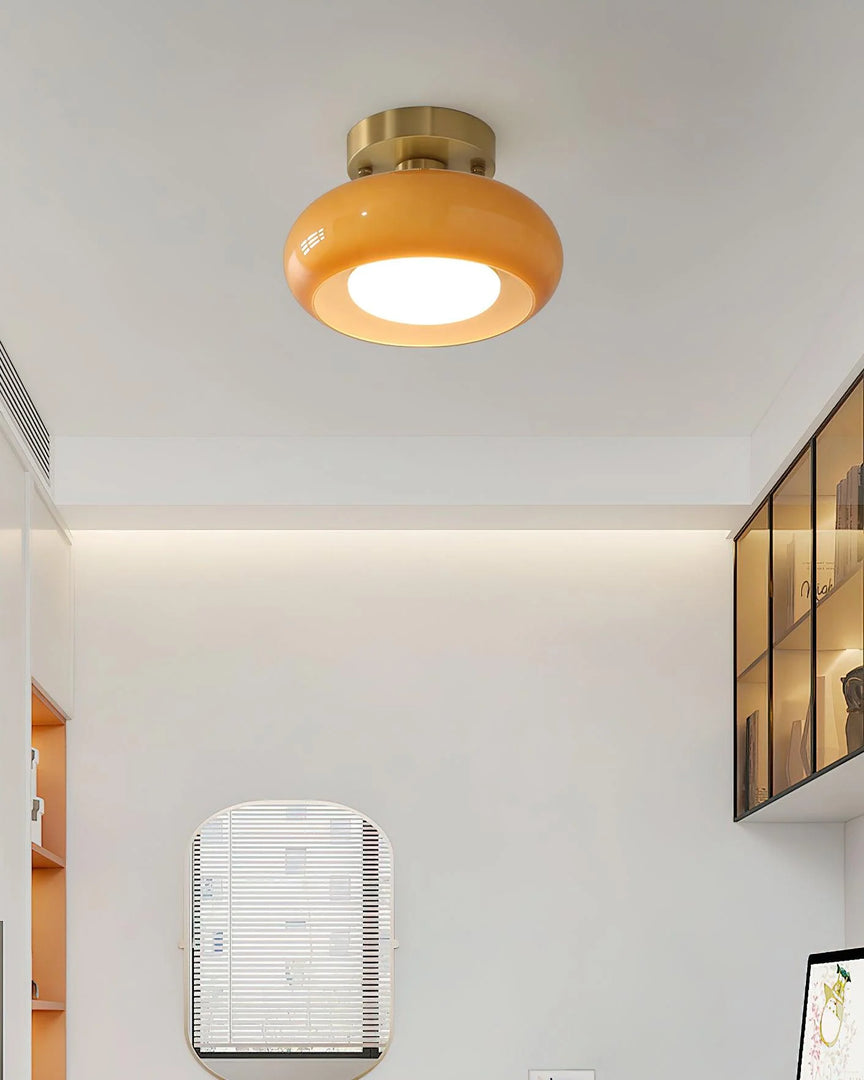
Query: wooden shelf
x=839, y=618
x=48, y=892
x=45, y=712
x=797, y=636
x=43, y=859
x=840, y=608
x=751, y=673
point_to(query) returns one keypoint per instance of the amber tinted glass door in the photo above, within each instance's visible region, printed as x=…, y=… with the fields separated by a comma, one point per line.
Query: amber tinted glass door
x=751, y=663
x=840, y=607
x=792, y=558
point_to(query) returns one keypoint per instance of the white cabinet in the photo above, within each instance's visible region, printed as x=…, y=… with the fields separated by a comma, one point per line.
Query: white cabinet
x=50, y=604
x=14, y=764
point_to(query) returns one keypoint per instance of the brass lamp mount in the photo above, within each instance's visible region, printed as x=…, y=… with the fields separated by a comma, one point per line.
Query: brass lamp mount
x=421, y=137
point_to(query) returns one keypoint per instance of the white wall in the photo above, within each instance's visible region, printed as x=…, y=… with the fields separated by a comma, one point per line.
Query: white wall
x=14, y=766
x=410, y=482
x=540, y=721
x=855, y=883
x=408, y=472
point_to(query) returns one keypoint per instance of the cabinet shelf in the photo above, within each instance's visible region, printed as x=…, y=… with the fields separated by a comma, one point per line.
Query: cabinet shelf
x=796, y=636
x=839, y=613
x=45, y=711
x=43, y=859
x=839, y=606
x=48, y=893
x=751, y=673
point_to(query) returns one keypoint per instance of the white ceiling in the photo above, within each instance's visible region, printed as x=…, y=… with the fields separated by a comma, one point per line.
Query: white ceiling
x=704, y=163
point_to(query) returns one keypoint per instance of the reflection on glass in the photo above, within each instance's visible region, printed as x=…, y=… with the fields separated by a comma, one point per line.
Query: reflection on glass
x=839, y=553
x=793, y=586
x=311, y=241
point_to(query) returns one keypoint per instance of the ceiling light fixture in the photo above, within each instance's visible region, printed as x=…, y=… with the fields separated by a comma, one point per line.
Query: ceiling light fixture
x=422, y=247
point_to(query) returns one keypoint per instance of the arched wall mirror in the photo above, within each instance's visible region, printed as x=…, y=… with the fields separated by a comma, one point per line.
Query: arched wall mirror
x=290, y=950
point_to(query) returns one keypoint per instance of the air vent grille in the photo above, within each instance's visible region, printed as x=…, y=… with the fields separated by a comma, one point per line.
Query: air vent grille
x=25, y=414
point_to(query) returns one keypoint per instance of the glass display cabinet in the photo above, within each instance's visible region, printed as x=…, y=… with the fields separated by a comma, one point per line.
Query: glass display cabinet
x=799, y=617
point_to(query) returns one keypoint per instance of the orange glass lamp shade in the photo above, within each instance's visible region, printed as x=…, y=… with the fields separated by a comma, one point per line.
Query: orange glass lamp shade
x=423, y=256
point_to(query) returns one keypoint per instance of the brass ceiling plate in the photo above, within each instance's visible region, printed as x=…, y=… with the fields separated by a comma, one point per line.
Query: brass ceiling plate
x=457, y=140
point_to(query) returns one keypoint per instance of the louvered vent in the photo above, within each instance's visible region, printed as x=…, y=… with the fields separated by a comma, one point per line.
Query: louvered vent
x=25, y=414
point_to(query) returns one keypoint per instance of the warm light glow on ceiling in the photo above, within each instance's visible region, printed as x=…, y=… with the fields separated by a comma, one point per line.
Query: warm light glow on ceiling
x=424, y=291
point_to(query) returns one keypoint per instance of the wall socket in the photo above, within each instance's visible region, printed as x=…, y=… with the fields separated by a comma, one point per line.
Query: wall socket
x=560, y=1074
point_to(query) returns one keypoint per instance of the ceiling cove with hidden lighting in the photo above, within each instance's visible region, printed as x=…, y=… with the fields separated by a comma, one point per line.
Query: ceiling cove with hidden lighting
x=422, y=247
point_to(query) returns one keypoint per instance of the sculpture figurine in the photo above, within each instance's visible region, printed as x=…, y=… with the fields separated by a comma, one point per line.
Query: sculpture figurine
x=853, y=691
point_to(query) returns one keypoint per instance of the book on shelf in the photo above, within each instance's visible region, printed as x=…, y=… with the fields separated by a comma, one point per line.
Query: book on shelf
x=754, y=793
x=849, y=522
x=793, y=580
x=802, y=578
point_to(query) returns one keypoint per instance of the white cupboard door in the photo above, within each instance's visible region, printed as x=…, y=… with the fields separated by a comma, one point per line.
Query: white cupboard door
x=50, y=604
x=14, y=766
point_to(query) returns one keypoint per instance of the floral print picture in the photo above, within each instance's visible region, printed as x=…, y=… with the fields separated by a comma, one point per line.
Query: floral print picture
x=833, y=1039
